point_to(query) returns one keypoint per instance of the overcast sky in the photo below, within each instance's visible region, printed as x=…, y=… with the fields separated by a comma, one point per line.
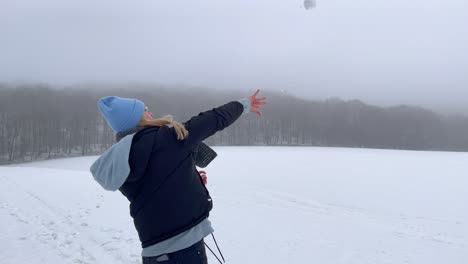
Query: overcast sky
x=380, y=51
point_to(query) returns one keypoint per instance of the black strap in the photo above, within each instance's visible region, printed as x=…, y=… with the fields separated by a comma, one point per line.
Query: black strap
x=224, y=261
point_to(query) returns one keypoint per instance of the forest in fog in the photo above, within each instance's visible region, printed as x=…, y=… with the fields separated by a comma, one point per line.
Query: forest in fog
x=41, y=122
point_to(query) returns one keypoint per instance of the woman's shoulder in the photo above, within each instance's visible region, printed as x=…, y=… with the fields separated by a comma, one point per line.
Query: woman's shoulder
x=147, y=130
x=151, y=135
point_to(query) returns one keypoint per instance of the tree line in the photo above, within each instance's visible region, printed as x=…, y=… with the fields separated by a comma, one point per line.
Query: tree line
x=43, y=122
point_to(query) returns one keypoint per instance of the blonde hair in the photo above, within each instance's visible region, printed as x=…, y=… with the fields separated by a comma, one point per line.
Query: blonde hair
x=180, y=129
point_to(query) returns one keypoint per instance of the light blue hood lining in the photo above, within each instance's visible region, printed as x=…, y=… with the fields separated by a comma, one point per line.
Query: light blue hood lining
x=111, y=169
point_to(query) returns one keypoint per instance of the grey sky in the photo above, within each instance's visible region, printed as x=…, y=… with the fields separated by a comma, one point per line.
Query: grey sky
x=381, y=51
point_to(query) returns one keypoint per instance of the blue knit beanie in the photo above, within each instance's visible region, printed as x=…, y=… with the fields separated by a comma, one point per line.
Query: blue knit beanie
x=121, y=113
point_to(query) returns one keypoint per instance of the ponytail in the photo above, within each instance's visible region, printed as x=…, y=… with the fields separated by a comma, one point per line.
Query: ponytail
x=180, y=129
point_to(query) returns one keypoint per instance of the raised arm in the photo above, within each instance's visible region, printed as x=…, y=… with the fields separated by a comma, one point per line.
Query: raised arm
x=208, y=123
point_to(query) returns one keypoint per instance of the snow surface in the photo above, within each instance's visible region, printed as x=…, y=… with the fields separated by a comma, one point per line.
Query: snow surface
x=271, y=205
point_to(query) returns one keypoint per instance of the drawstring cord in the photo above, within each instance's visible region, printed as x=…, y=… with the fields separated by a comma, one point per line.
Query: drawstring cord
x=218, y=248
x=224, y=261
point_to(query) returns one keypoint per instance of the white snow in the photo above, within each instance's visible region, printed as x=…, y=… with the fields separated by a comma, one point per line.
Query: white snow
x=271, y=205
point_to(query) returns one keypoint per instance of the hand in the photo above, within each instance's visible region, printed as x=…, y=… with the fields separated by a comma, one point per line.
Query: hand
x=256, y=104
x=203, y=176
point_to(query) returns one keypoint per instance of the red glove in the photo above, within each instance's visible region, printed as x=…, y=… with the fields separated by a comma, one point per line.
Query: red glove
x=204, y=177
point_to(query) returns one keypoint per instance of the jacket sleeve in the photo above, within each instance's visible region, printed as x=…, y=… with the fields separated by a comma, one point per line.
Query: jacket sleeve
x=208, y=123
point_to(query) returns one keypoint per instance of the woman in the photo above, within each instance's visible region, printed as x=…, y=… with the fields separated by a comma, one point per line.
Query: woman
x=152, y=165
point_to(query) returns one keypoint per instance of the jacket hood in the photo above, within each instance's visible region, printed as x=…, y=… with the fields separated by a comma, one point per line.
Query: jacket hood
x=111, y=169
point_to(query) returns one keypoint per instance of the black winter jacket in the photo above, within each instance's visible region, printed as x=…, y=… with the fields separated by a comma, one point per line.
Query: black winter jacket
x=166, y=193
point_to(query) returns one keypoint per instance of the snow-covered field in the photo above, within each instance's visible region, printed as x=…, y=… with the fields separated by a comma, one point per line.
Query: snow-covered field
x=271, y=205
